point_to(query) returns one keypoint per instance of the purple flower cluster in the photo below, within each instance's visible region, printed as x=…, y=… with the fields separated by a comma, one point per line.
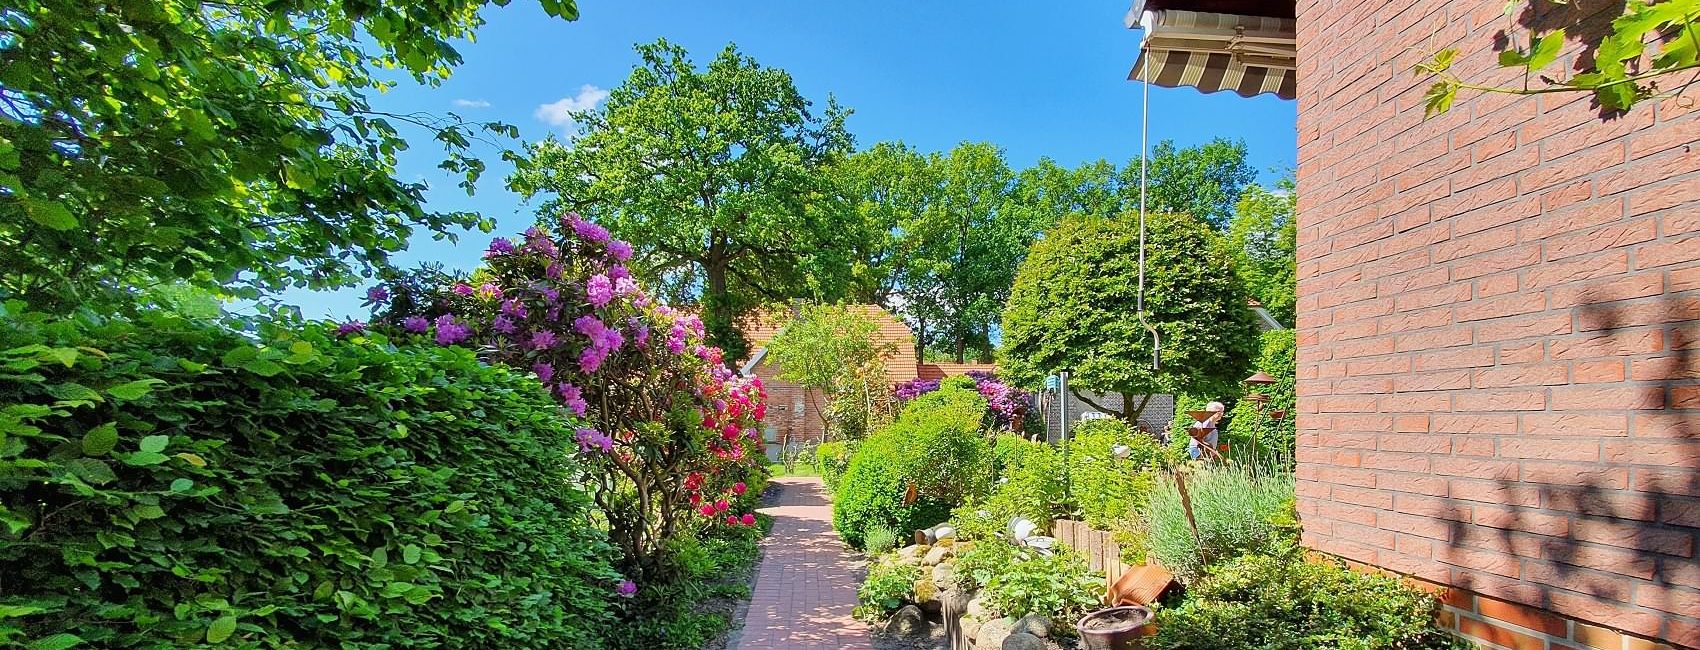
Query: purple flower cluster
x=589, y=232
x=377, y=296
x=915, y=388
x=350, y=328
x=451, y=331
x=626, y=589
x=416, y=324
x=498, y=247
x=604, y=340
x=589, y=439
x=1008, y=403
x=600, y=290
x=573, y=398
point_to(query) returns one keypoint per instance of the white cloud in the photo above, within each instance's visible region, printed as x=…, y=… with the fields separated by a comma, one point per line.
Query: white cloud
x=471, y=103
x=559, y=113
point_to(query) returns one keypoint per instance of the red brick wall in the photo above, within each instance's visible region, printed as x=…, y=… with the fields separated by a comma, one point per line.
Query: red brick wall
x=1499, y=351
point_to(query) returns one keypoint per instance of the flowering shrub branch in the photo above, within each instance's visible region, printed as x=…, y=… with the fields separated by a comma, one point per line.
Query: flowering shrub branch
x=669, y=434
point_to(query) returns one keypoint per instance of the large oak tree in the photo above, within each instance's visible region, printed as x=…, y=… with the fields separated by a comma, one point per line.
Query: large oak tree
x=714, y=174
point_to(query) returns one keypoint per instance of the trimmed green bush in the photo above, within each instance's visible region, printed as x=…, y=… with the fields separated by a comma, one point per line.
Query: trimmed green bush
x=935, y=445
x=1244, y=426
x=832, y=459
x=1283, y=601
x=171, y=483
x=1238, y=509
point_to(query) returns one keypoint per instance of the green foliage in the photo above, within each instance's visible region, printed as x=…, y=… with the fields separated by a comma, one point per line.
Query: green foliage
x=832, y=459
x=835, y=349
x=1030, y=484
x=712, y=174
x=1203, y=181
x=1264, y=239
x=1020, y=581
x=1106, y=486
x=172, y=483
x=889, y=584
x=229, y=145
x=880, y=539
x=1283, y=601
x=1274, y=438
x=671, y=616
x=1075, y=302
x=935, y=445
x=1239, y=510
x=1623, y=72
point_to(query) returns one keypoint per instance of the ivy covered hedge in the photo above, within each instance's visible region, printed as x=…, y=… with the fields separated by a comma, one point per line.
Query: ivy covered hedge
x=172, y=483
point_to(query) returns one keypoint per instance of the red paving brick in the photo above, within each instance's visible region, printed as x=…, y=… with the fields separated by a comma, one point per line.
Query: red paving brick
x=806, y=584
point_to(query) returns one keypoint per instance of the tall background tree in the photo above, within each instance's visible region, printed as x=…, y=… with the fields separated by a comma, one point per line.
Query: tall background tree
x=1075, y=298
x=228, y=145
x=834, y=351
x=1204, y=181
x=1263, y=237
x=715, y=175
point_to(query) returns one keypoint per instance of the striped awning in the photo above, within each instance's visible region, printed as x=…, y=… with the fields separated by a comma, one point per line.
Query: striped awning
x=1249, y=55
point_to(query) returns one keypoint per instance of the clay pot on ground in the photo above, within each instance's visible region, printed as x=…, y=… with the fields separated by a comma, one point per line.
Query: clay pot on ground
x=1115, y=628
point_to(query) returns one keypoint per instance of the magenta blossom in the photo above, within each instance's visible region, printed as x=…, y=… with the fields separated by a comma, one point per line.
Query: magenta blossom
x=513, y=307
x=589, y=439
x=450, y=332
x=377, y=296
x=619, y=250
x=599, y=290
x=588, y=231
x=542, y=340
x=573, y=398
x=625, y=287
x=544, y=371
x=503, y=325
x=749, y=519
x=617, y=271
x=416, y=324
x=463, y=289
x=498, y=247
x=490, y=290
x=350, y=327
x=626, y=589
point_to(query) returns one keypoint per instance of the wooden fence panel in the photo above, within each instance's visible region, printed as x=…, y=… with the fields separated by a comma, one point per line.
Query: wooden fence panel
x=1098, y=546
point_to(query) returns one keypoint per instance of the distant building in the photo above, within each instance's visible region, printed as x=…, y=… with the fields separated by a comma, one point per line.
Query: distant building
x=793, y=413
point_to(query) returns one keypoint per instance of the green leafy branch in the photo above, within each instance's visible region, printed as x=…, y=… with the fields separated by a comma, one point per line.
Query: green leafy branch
x=1622, y=75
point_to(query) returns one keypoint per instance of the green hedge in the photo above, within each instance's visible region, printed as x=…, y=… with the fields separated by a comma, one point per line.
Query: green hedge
x=935, y=445
x=1283, y=601
x=171, y=483
x=832, y=460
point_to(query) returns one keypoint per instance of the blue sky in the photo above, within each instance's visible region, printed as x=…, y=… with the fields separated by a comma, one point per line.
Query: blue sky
x=1037, y=81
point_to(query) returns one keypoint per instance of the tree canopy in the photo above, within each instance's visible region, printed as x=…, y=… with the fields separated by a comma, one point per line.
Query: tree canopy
x=835, y=350
x=1074, y=307
x=714, y=175
x=1264, y=239
x=228, y=145
x=1204, y=181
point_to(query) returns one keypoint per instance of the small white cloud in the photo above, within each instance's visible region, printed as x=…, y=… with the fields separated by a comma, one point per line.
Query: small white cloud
x=559, y=113
x=471, y=103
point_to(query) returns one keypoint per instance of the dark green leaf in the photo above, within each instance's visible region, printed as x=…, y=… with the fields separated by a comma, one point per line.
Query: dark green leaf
x=100, y=440
x=221, y=629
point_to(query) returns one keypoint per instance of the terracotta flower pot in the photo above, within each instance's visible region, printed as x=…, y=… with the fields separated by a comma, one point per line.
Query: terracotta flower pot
x=1115, y=628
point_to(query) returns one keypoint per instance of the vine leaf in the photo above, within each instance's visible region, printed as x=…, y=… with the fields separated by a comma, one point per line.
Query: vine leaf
x=1545, y=50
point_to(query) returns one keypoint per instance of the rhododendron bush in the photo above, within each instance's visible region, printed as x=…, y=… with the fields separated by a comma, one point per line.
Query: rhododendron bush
x=1007, y=405
x=672, y=437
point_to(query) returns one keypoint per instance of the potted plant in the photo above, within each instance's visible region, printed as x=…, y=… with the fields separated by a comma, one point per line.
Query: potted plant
x=1115, y=628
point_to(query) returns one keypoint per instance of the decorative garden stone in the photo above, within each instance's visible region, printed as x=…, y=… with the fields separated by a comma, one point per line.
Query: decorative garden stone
x=908, y=621
x=944, y=575
x=912, y=554
x=993, y=633
x=936, y=555
x=970, y=625
x=926, y=591
x=978, y=609
x=1035, y=625
x=1022, y=641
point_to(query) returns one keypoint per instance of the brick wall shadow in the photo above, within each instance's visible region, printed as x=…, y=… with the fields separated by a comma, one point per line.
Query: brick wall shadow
x=1617, y=543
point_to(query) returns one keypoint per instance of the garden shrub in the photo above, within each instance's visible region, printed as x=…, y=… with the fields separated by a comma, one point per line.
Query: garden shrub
x=172, y=483
x=711, y=563
x=1244, y=425
x=889, y=584
x=880, y=539
x=935, y=445
x=1031, y=486
x=832, y=459
x=1017, y=581
x=671, y=438
x=1239, y=509
x=1284, y=601
x=1106, y=487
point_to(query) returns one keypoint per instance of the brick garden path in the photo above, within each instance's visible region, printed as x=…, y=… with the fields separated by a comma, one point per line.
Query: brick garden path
x=806, y=584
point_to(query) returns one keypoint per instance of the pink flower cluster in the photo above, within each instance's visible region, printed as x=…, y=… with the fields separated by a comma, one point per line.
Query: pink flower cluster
x=654, y=397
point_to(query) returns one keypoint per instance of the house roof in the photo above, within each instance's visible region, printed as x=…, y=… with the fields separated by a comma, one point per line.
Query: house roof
x=942, y=369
